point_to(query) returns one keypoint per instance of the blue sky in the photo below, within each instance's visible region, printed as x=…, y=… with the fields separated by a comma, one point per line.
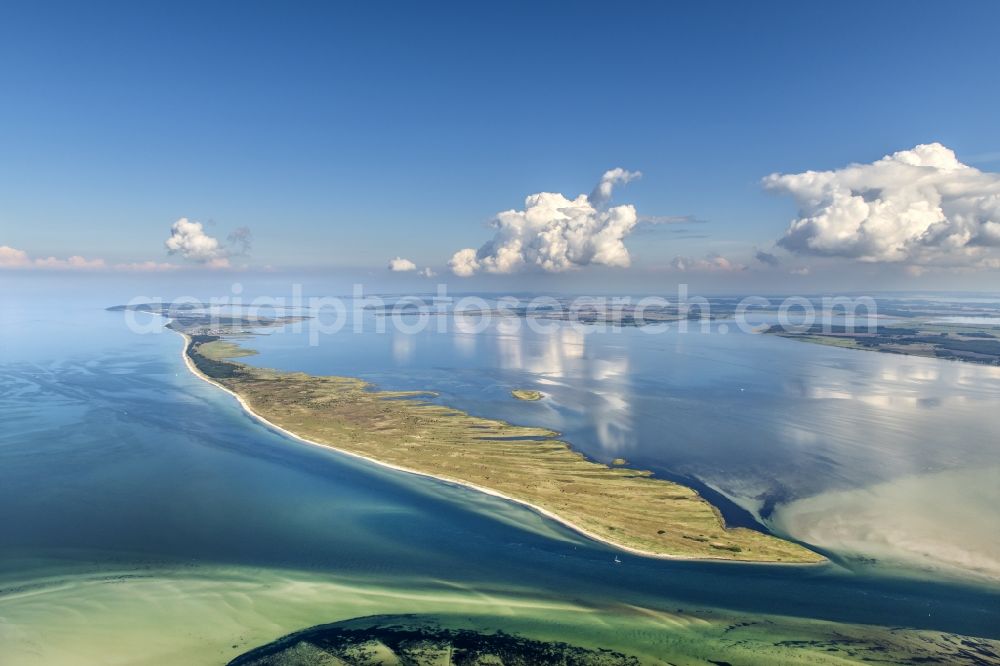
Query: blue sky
x=343, y=136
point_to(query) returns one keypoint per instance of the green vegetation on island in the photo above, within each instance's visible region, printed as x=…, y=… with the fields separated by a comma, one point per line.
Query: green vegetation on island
x=525, y=394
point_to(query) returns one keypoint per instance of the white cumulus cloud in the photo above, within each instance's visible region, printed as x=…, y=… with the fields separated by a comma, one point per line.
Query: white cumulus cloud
x=189, y=240
x=554, y=234
x=920, y=206
x=400, y=265
x=464, y=263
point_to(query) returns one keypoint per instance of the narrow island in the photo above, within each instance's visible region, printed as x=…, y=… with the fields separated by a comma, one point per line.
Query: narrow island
x=623, y=507
x=525, y=394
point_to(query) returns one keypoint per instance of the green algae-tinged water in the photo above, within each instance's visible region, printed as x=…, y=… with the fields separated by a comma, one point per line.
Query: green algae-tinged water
x=146, y=519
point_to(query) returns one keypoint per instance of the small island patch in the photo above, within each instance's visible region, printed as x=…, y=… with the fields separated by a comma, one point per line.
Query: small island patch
x=526, y=394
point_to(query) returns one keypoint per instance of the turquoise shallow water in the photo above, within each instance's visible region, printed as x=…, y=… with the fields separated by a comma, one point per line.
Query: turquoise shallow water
x=116, y=465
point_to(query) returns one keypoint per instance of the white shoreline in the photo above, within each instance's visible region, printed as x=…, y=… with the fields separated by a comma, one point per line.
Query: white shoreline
x=465, y=484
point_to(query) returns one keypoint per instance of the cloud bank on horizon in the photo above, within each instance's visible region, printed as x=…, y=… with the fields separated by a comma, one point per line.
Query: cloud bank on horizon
x=556, y=234
x=921, y=207
x=187, y=239
x=13, y=258
x=19, y=259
